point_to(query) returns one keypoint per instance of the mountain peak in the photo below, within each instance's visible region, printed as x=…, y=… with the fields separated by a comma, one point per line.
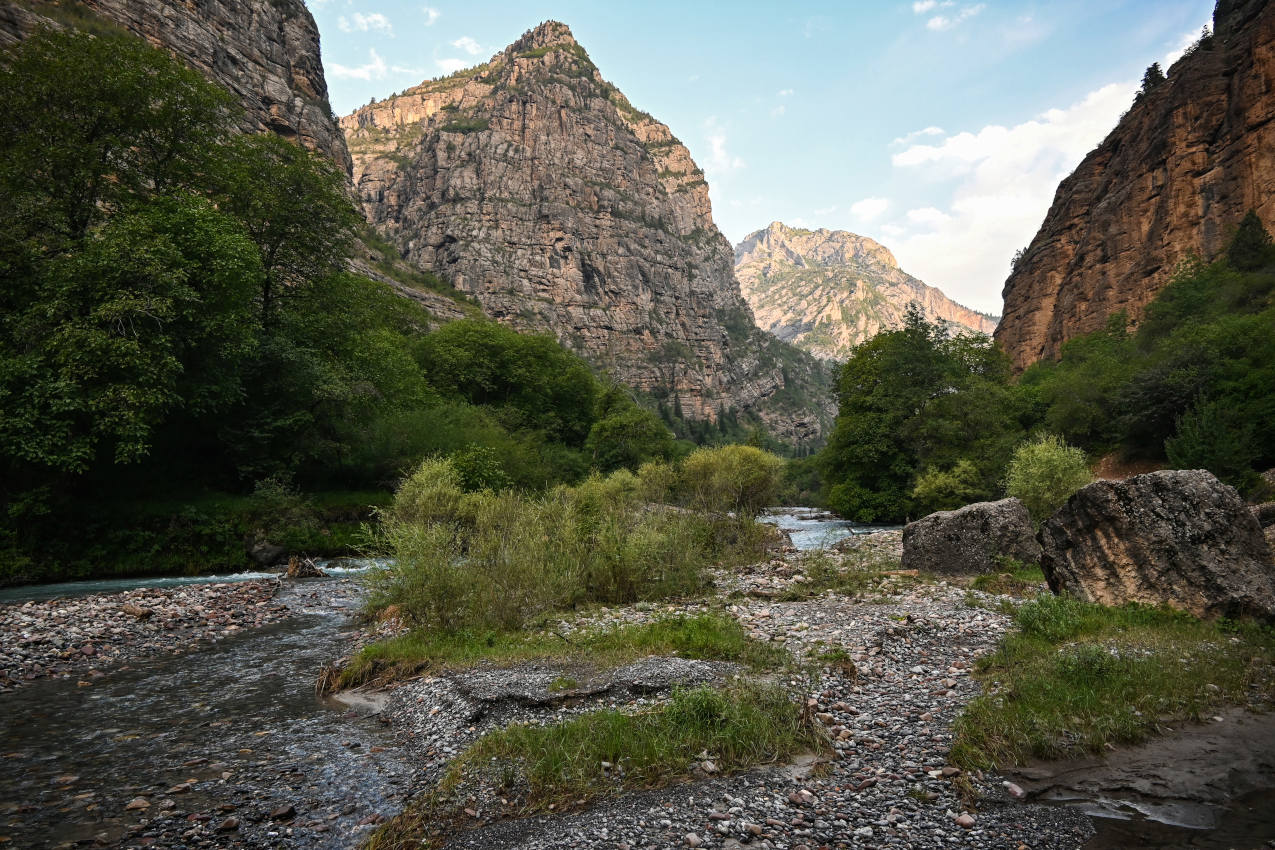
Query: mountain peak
x=548, y=34
x=837, y=246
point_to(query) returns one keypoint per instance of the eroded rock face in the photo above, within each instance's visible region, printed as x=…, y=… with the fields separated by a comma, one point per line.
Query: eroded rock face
x=1174, y=177
x=970, y=540
x=532, y=183
x=266, y=52
x=1176, y=537
x=826, y=291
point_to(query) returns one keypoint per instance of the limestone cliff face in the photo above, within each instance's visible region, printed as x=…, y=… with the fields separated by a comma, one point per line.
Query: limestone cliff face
x=266, y=52
x=532, y=184
x=1174, y=177
x=826, y=291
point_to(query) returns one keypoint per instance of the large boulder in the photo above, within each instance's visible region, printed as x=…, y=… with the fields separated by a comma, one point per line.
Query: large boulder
x=1177, y=537
x=970, y=540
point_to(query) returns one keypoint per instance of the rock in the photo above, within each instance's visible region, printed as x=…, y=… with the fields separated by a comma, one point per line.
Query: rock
x=267, y=554
x=1174, y=178
x=1264, y=514
x=284, y=812
x=266, y=52
x=303, y=568
x=693, y=840
x=965, y=820
x=1177, y=537
x=228, y=825
x=827, y=291
x=623, y=258
x=967, y=541
x=137, y=803
x=136, y=610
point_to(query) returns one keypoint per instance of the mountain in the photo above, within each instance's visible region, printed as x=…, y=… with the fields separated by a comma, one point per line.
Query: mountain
x=1174, y=178
x=532, y=184
x=826, y=291
x=266, y=52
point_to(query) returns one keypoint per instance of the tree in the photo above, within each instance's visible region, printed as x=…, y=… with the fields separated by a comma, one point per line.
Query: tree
x=1151, y=79
x=294, y=205
x=1250, y=248
x=628, y=438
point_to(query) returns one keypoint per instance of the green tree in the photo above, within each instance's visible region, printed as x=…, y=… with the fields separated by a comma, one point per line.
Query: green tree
x=628, y=438
x=1250, y=248
x=1153, y=77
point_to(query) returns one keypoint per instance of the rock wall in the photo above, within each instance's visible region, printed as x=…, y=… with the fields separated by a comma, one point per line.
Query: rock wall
x=826, y=291
x=532, y=184
x=266, y=52
x=1173, y=178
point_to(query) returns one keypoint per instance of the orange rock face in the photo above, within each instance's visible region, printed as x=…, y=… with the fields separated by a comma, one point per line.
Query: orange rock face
x=1173, y=179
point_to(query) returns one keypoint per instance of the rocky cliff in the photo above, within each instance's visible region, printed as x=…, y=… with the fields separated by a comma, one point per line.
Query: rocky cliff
x=1174, y=177
x=826, y=291
x=532, y=184
x=266, y=52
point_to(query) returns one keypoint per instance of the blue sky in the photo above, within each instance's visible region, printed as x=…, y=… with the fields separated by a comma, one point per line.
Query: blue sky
x=938, y=127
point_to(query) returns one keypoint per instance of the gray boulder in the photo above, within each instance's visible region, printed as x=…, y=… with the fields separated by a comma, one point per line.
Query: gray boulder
x=968, y=541
x=1175, y=537
x=267, y=554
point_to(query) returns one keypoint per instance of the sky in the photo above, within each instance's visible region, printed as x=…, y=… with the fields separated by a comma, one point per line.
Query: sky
x=940, y=128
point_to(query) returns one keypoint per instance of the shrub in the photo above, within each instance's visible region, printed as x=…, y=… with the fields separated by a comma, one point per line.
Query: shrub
x=1207, y=438
x=742, y=479
x=1044, y=473
x=939, y=489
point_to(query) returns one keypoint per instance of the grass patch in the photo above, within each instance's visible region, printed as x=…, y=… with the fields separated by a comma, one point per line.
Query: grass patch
x=1077, y=676
x=712, y=637
x=542, y=767
x=1014, y=579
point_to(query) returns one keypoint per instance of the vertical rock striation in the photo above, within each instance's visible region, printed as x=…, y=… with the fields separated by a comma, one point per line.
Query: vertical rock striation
x=826, y=291
x=532, y=184
x=1173, y=178
x=266, y=52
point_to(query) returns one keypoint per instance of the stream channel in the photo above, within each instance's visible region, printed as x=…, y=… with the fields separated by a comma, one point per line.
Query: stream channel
x=232, y=735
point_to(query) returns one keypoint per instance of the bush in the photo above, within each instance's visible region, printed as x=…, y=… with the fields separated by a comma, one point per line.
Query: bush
x=1207, y=438
x=497, y=560
x=946, y=489
x=1044, y=473
x=742, y=479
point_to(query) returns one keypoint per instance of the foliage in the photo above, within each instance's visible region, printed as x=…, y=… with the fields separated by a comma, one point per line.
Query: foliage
x=498, y=560
x=1043, y=474
x=1153, y=77
x=1250, y=247
x=939, y=489
x=912, y=399
x=739, y=479
x=1077, y=677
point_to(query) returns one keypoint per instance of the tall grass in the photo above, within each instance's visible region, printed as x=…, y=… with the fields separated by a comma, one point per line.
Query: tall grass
x=497, y=560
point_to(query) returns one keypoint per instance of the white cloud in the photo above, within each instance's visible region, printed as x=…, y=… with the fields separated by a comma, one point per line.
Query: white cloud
x=869, y=208
x=922, y=6
x=373, y=70
x=407, y=70
x=946, y=22
x=778, y=111
x=785, y=92
x=468, y=45
x=1177, y=52
x=451, y=66
x=720, y=161
x=358, y=22
x=431, y=15
x=916, y=134
x=1004, y=179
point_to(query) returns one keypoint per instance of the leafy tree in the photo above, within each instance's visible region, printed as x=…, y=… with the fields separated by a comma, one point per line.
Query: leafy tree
x=628, y=438
x=1208, y=437
x=1250, y=248
x=1044, y=473
x=742, y=479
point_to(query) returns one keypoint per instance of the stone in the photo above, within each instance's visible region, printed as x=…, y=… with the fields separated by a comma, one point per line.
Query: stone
x=965, y=820
x=968, y=541
x=1264, y=514
x=267, y=554
x=284, y=812
x=1174, y=178
x=136, y=610
x=693, y=840
x=565, y=210
x=137, y=803
x=1176, y=537
x=826, y=291
x=230, y=824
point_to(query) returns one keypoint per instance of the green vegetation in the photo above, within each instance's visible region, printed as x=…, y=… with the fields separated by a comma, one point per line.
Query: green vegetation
x=929, y=422
x=1013, y=579
x=1076, y=677
x=855, y=574
x=706, y=636
x=489, y=560
x=465, y=125
x=604, y=753
x=1044, y=473
x=180, y=331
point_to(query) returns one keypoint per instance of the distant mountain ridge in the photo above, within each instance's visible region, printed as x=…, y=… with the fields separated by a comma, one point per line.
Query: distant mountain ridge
x=826, y=291
x=531, y=183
